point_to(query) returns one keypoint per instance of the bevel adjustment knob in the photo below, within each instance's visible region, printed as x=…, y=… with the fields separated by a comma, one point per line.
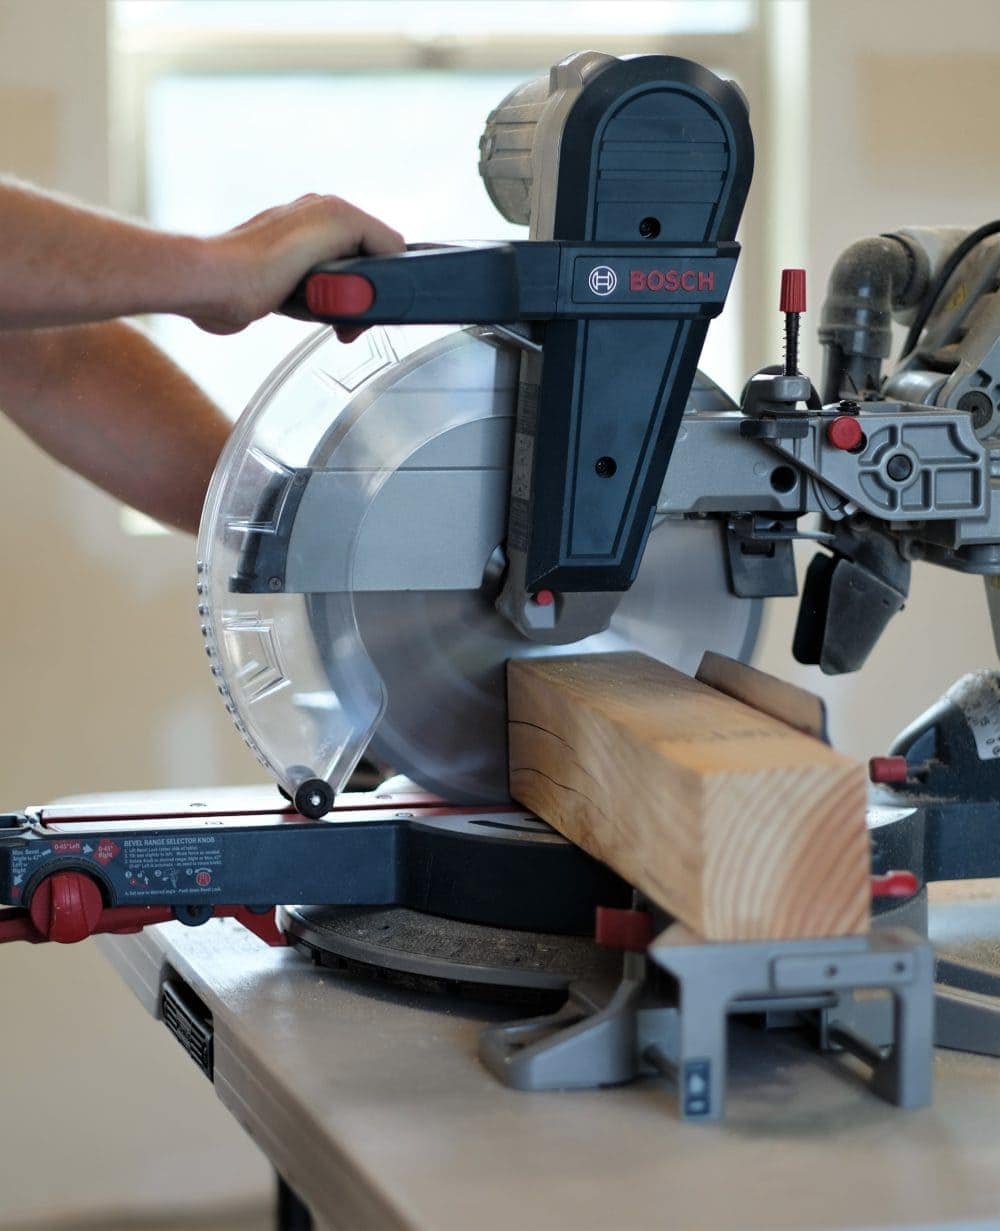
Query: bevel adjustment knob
x=66, y=907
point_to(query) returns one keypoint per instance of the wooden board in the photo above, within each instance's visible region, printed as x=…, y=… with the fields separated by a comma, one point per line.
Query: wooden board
x=737, y=824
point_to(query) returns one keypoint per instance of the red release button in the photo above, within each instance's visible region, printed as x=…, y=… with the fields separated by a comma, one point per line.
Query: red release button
x=845, y=432
x=337, y=295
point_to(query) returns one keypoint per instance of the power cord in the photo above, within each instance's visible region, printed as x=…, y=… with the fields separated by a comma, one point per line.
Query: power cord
x=941, y=281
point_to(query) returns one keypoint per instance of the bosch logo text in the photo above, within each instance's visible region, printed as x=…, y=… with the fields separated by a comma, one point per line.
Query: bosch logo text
x=602, y=280
x=670, y=280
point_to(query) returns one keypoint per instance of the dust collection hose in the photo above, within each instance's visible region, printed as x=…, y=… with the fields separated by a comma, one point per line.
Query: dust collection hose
x=872, y=279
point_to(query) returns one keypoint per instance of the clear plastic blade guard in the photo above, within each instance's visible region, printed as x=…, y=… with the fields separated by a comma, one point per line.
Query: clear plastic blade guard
x=351, y=549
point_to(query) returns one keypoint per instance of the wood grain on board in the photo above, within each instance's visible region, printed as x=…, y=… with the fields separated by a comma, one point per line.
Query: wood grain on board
x=738, y=824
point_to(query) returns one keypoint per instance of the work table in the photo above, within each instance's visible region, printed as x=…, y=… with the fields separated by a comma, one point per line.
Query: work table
x=372, y=1104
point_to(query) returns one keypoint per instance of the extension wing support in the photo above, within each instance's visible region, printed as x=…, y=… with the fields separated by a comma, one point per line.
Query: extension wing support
x=608, y=1035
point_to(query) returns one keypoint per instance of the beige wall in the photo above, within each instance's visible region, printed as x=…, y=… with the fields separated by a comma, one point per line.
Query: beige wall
x=105, y=687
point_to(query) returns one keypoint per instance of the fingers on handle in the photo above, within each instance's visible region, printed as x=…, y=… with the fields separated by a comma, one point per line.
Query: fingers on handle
x=352, y=229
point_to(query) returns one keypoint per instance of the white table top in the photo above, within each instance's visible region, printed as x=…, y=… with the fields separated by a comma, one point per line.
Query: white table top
x=373, y=1105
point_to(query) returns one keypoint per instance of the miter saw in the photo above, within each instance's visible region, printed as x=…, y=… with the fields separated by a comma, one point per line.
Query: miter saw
x=394, y=519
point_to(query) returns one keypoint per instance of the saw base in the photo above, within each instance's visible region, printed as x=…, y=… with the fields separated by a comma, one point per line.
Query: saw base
x=428, y=953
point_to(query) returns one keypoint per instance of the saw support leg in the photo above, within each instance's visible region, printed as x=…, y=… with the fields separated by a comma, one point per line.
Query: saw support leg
x=702, y=1052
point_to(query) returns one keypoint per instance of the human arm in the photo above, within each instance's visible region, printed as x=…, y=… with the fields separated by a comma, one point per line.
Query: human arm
x=62, y=263
x=103, y=400
x=99, y=396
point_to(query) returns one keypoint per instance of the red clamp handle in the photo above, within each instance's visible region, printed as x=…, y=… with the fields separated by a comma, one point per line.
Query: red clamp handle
x=68, y=907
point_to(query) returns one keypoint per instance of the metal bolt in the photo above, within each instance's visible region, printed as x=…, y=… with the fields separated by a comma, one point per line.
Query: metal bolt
x=274, y=583
x=849, y=406
x=606, y=467
x=899, y=467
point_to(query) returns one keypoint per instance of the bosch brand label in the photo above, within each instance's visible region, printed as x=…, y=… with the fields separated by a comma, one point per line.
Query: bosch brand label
x=603, y=280
x=629, y=280
x=686, y=280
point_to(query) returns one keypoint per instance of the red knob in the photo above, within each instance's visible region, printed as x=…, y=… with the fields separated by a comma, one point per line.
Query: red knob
x=845, y=432
x=793, y=290
x=888, y=769
x=339, y=294
x=66, y=907
x=544, y=598
x=894, y=885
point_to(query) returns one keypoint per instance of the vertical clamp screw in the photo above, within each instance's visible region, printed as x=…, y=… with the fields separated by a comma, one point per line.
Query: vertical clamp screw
x=792, y=303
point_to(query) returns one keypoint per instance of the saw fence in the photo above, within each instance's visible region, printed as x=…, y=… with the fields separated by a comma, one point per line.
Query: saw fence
x=740, y=823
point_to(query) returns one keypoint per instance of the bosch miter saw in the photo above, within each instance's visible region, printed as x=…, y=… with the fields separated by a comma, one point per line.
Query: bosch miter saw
x=395, y=519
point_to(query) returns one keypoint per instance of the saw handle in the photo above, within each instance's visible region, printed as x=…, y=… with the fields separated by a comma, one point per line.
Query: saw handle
x=426, y=284
x=524, y=280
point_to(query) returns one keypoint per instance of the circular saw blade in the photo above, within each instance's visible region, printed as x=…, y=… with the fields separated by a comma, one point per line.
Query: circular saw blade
x=443, y=656
x=378, y=641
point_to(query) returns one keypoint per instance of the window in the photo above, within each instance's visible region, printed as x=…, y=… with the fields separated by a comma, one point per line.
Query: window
x=228, y=106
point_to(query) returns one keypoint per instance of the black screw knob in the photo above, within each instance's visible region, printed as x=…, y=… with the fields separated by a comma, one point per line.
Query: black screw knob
x=899, y=467
x=979, y=405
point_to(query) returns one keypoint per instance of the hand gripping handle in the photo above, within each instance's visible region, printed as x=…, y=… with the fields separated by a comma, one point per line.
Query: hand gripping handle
x=524, y=280
x=425, y=285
